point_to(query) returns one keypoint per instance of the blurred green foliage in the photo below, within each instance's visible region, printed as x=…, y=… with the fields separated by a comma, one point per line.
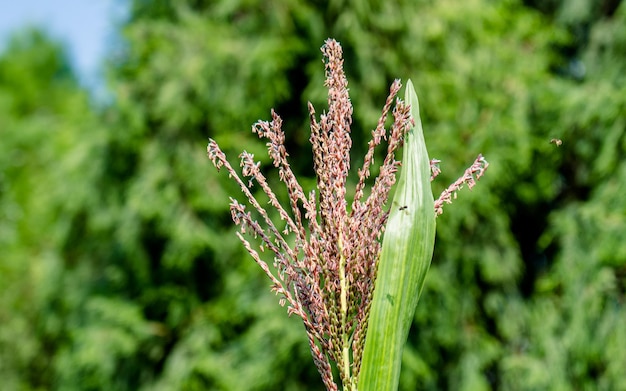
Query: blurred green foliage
x=119, y=267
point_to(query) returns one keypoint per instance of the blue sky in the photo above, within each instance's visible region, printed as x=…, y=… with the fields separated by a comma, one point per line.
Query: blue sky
x=86, y=27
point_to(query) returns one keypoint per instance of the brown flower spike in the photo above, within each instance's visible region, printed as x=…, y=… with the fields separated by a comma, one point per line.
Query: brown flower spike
x=327, y=276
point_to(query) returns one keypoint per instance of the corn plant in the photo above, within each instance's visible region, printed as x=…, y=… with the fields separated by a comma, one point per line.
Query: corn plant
x=355, y=295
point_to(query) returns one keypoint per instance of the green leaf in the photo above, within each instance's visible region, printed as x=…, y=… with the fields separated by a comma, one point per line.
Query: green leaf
x=406, y=254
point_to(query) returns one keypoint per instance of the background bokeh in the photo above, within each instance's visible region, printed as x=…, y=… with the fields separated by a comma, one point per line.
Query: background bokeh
x=119, y=267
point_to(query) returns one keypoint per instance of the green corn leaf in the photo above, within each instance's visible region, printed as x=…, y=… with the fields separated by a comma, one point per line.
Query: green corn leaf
x=405, y=258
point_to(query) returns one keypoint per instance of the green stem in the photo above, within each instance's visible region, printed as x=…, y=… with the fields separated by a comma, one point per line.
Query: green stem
x=343, y=283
